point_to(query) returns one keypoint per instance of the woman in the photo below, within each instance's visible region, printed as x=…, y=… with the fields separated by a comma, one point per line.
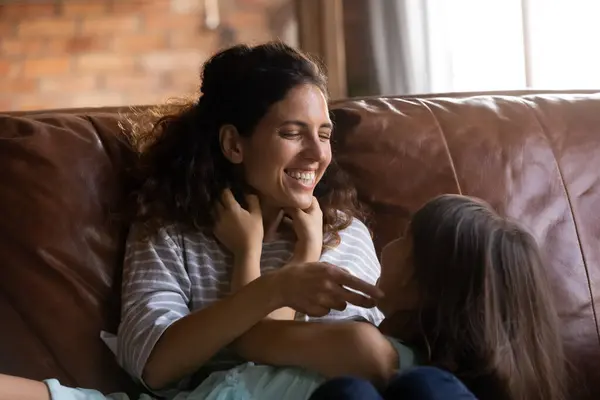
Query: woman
x=261, y=125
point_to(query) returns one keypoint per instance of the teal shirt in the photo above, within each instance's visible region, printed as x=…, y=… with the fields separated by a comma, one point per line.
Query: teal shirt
x=251, y=381
x=245, y=382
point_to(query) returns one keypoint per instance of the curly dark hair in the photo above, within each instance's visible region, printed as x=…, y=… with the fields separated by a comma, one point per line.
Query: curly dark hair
x=181, y=170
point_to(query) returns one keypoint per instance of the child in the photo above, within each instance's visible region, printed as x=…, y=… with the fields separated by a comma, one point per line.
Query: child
x=465, y=292
x=466, y=289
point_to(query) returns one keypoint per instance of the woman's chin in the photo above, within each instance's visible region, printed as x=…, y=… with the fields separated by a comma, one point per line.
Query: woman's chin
x=302, y=204
x=298, y=201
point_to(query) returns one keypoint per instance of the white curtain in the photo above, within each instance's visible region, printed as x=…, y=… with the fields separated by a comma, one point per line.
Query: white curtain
x=422, y=46
x=399, y=43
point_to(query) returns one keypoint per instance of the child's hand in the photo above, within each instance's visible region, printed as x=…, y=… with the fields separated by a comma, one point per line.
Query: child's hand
x=308, y=226
x=239, y=230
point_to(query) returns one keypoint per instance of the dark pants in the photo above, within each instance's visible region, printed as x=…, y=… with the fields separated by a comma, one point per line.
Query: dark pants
x=420, y=383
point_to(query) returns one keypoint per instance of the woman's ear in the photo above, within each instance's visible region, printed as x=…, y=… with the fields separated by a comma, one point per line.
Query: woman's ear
x=231, y=144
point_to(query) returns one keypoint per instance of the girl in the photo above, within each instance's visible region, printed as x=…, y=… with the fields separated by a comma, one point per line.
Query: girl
x=465, y=288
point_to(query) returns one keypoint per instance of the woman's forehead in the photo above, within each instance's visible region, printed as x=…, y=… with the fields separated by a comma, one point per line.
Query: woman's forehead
x=304, y=103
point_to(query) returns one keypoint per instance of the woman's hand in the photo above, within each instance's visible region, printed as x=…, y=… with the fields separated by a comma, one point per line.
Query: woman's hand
x=308, y=226
x=316, y=288
x=239, y=230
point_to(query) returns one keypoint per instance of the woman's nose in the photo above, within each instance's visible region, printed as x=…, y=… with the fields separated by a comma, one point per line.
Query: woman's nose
x=316, y=149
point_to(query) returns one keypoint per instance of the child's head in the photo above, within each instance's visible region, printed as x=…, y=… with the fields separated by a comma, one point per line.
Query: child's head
x=474, y=282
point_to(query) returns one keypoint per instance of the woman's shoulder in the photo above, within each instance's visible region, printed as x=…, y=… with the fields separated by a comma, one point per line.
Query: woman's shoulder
x=172, y=235
x=356, y=233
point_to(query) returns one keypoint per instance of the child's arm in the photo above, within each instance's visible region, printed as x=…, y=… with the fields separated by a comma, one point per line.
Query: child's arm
x=14, y=388
x=242, y=232
x=246, y=268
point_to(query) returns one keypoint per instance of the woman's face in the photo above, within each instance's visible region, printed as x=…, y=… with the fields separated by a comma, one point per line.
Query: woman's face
x=397, y=277
x=290, y=149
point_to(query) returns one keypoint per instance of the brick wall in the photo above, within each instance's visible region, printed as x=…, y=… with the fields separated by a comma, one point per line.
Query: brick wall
x=77, y=53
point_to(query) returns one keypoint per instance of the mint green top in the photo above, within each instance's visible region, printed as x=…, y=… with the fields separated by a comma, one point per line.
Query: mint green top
x=244, y=382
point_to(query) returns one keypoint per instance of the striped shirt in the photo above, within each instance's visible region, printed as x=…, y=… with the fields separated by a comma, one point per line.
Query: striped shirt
x=174, y=273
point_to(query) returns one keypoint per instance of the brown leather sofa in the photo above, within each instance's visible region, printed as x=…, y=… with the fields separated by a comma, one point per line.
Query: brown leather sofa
x=534, y=156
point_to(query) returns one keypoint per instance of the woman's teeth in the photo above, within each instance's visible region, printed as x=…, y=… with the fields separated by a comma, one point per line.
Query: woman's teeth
x=307, y=178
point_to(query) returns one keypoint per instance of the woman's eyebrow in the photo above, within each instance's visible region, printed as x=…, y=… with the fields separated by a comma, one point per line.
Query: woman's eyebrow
x=305, y=125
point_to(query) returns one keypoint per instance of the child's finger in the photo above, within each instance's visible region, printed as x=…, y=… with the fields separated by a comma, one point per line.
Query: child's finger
x=253, y=204
x=314, y=206
x=228, y=200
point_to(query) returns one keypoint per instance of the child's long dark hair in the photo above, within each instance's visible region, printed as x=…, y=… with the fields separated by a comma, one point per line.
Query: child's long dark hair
x=487, y=313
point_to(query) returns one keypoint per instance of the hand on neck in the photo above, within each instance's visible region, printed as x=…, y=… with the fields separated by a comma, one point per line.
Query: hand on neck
x=272, y=217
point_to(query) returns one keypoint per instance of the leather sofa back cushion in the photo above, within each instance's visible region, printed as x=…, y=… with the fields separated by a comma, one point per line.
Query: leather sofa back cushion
x=533, y=157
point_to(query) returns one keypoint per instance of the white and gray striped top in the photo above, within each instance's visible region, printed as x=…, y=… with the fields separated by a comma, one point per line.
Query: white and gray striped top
x=173, y=274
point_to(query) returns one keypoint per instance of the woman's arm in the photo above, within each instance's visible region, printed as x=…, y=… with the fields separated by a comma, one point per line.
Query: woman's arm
x=330, y=348
x=180, y=350
x=160, y=340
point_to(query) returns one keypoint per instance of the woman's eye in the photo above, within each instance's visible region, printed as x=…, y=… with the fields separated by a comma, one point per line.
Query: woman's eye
x=325, y=136
x=290, y=134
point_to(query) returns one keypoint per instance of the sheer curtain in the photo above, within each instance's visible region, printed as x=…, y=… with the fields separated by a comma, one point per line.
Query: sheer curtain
x=422, y=46
x=400, y=45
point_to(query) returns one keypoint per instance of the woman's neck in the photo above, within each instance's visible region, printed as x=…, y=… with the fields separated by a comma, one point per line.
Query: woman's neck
x=272, y=217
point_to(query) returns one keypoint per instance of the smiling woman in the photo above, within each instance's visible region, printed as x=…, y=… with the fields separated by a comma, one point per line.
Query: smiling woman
x=262, y=127
x=285, y=158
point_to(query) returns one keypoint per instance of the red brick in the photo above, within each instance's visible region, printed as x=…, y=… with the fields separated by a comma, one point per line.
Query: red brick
x=18, y=85
x=96, y=99
x=158, y=22
x=23, y=10
x=80, y=44
x=207, y=41
x=110, y=25
x=254, y=36
x=84, y=7
x=6, y=105
x=186, y=6
x=184, y=82
x=38, y=102
x=240, y=20
x=68, y=84
x=7, y=30
x=22, y=47
x=140, y=6
x=167, y=61
x=145, y=98
x=47, y=27
x=136, y=82
x=5, y=66
x=140, y=43
x=104, y=62
x=46, y=66
x=256, y=3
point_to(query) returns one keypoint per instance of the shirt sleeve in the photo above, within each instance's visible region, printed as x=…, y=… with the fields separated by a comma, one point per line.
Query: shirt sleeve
x=356, y=254
x=406, y=355
x=155, y=293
